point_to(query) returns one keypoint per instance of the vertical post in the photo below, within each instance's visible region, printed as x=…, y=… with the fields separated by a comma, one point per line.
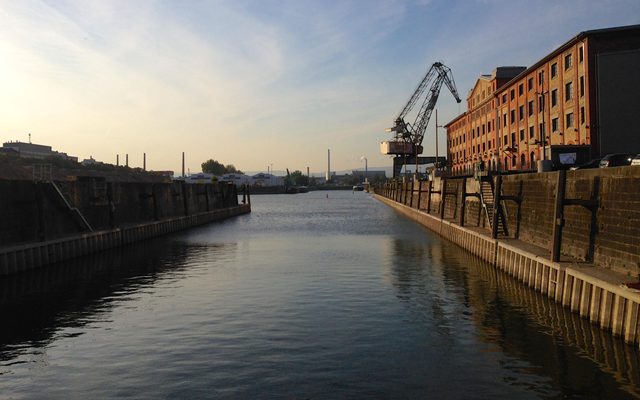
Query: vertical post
x=558, y=216
x=249, y=195
x=419, y=194
x=496, y=207
x=183, y=164
x=244, y=194
x=429, y=188
x=144, y=161
x=437, y=161
x=112, y=206
x=461, y=200
x=411, y=194
x=42, y=227
x=154, y=201
x=443, y=195
x=184, y=198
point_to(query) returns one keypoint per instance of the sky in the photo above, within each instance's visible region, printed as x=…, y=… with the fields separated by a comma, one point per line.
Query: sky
x=258, y=84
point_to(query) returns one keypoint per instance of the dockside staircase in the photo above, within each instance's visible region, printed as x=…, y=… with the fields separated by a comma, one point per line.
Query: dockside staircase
x=42, y=173
x=488, y=203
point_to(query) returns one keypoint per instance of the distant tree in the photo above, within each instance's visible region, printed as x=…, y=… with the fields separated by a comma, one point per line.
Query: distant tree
x=231, y=169
x=214, y=167
x=299, y=179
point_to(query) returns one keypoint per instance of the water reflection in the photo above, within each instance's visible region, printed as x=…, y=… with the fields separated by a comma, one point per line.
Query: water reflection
x=440, y=282
x=36, y=305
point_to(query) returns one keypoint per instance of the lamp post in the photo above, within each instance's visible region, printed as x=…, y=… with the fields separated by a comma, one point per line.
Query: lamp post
x=437, y=126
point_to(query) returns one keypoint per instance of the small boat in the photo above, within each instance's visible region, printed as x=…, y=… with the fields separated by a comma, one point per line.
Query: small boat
x=302, y=189
x=358, y=188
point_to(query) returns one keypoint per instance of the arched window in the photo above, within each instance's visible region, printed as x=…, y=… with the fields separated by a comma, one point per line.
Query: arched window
x=514, y=161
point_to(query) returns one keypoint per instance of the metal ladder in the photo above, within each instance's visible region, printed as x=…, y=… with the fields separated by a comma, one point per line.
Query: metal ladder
x=488, y=203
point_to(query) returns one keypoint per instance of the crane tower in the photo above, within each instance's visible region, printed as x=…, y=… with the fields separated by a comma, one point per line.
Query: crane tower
x=407, y=142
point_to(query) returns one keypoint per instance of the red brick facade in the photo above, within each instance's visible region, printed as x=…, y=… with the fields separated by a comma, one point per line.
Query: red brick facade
x=513, y=111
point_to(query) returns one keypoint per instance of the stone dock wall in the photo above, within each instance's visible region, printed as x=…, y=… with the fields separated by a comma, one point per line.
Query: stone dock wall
x=46, y=222
x=592, y=223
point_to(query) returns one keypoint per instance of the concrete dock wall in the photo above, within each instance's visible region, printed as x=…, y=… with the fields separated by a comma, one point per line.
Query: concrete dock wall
x=599, y=240
x=46, y=222
x=20, y=258
x=42, y=211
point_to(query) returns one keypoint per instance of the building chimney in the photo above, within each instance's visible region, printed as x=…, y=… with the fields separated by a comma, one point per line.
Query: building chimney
x=144, y=161
x=328, y=165
x=183, y=164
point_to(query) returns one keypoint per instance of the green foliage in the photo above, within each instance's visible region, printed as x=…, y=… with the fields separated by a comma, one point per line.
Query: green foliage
x=298, y=179
x=214, y=167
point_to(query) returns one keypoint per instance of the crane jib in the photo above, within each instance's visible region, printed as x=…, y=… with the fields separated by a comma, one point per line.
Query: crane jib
x=408, y=137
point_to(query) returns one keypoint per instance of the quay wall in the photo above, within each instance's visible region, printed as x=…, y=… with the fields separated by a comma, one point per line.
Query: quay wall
x=598, y=226
x=47, y=222
x=39, y=211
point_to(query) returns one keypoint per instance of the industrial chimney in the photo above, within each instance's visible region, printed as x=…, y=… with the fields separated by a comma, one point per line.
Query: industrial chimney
x=328, y=165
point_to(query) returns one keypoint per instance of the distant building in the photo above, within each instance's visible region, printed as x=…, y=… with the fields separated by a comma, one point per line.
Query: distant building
x=263, y=179
x=577, y=103
x=89, y=161
x=237, y=179
x=201, y=177
x=31, y=150
x=369, y=174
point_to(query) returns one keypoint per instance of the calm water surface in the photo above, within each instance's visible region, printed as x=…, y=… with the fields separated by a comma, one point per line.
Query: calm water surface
x=307, y=297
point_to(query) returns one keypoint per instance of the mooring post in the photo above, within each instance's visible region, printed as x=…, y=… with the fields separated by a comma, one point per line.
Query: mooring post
x=154, y=201
x=411, y=194
x=244, y=194
x=496, y=207
x=558, y=216
x=443, y=195
x=429, y=187
x=462, y=199
x=419, y=194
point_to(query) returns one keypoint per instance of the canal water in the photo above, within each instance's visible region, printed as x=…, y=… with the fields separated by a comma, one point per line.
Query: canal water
x=323, y=295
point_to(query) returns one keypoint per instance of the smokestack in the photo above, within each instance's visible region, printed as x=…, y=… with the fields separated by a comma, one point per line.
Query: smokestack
x=127, y=159
x=144, y=161
x=328, y=165
x=183, y=164
x=308, y=177
x=117, y=160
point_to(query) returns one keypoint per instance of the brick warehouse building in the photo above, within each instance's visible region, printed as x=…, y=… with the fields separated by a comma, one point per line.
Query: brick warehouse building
x=579, y=102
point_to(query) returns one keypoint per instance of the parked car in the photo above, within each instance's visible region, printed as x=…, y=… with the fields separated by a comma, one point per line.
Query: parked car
x=616, y=160
x=591, y=164
x=636, y=160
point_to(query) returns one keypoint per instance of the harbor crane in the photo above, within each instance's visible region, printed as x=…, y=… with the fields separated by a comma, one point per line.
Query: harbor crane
x=407, y=142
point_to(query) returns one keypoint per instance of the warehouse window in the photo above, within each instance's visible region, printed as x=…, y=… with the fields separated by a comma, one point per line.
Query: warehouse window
x=581, y=53
x=569, y=123
x=568, y=61
x=554, y=70
x=568, y=91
